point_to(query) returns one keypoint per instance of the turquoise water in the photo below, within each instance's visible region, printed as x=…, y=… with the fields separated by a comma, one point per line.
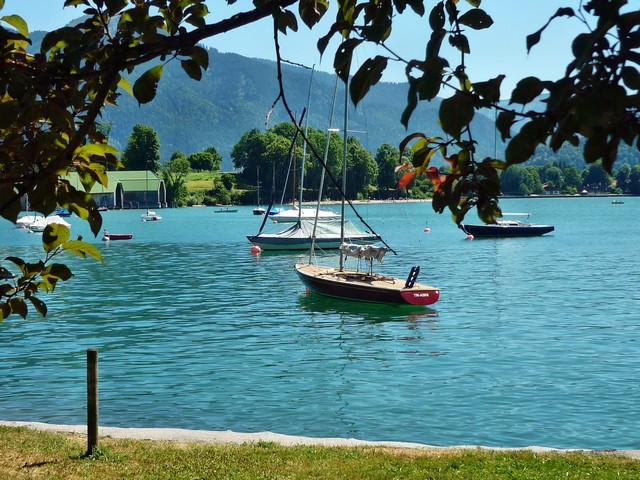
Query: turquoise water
x=533, y=341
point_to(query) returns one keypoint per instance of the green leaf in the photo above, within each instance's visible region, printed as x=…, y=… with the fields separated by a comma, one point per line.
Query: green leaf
x=82, y=249
x=192, y=69
x=286, y=20
x=12, y=206
x=367, y=75
x=342, y=60
x=145, y=88
x=504, y=122
x=124, y=84
x=39, y=305
x=631, y=78
x=456, y=112
x=436, y=17
x=311, y=11
x=53, y=236
x=5, y=274
x=18, y=306
x=489, y=90
x=5, y=310
x=58, y=270
x=527, y=90
x=524, y=143
x=477, y=19
x=18, y=23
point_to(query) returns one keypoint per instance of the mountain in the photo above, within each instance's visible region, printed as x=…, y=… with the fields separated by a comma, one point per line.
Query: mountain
x=236, y=93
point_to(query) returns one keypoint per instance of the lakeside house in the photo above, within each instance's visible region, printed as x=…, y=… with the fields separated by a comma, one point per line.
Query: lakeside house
x=125, y=189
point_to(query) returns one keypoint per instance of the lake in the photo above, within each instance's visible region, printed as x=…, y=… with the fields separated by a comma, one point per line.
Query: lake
x=535, y=341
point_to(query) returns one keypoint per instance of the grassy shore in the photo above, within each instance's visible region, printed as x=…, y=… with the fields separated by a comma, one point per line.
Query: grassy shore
x=28, y=454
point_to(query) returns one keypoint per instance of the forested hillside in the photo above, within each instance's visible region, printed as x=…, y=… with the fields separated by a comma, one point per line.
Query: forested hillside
x=236, y=94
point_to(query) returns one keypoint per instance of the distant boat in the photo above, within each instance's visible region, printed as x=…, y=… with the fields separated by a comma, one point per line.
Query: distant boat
x=226, y=210
x=150, y=216
x=106, y=237
x=26, y=220
x=617, y=202
x=295, y=213
x=506, y=228
x=62, y=212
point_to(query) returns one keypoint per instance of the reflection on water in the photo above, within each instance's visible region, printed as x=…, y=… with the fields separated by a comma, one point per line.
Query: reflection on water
x=368, y=312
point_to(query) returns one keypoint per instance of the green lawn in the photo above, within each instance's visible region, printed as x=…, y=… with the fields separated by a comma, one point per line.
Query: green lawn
x=28, y=454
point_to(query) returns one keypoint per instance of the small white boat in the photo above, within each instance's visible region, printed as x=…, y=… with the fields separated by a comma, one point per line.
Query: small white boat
x=150, y=216
x=41, y=223
x=26, y=220
x=292, y=215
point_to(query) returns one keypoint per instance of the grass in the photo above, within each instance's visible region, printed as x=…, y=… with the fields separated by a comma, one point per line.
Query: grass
x=31, y=454
x=200, y=181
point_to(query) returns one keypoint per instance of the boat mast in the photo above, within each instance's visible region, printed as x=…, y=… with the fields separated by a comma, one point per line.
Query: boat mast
x=304, y=146
x=330, y=130
x=344, y=164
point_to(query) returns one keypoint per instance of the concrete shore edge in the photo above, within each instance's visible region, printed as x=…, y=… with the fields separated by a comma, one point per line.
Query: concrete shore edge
x=230, y=437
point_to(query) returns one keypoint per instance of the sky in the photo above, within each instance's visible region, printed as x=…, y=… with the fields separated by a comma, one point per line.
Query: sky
x=499, y=49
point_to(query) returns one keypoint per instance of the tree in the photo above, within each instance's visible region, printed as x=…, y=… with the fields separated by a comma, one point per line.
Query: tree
x=202, y=161
x=362, y=170
x=622, y=177
x=52, y=100
x=387, y=158
x=217, y=158
x=572, y=180
x=143, y=149
x=174, y=172
x=596, y=179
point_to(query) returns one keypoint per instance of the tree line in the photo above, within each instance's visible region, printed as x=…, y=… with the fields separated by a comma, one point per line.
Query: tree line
x=272, y=160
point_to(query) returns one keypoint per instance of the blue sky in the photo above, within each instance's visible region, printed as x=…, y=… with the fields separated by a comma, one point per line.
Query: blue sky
x=499, y=49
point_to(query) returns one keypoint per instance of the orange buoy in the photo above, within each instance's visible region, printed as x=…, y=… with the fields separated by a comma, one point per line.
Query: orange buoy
x=470, y=237
x=255, y=250
x=427, y=230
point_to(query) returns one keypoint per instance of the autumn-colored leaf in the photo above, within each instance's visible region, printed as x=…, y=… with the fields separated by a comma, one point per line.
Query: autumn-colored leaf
x=406, y=178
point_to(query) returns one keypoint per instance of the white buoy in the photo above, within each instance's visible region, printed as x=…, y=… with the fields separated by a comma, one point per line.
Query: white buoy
x=470, y=237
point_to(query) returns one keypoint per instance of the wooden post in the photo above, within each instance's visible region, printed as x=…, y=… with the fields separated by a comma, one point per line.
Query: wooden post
x=92, y=400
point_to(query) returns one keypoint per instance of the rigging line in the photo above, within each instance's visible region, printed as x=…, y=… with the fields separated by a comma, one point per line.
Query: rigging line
x=341, y=192
x=273, y=194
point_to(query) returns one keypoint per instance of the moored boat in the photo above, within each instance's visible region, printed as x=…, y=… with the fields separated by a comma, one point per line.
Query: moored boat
x=366, y=286
x=507, y=228
x=150, y=216
x=106, y=236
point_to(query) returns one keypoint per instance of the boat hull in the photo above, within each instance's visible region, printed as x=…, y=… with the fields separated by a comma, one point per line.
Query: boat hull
x=266, y=242
x=116, y=236
x=364, y=287
x=524, y=230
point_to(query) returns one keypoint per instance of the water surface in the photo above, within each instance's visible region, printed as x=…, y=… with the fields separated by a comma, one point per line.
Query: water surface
x=533, y=341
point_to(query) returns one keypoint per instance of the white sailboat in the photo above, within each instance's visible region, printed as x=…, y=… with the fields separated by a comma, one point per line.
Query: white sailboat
x=313, y=224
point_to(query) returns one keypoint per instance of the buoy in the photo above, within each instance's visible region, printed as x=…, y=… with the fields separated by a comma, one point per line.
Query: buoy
x=427, y=230
x=255, y=250
x=307, y=291
x=469, y=237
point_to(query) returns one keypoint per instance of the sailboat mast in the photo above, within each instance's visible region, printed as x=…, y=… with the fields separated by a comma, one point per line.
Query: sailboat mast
x=304, y=146
x=344, y=165
x=330, y=130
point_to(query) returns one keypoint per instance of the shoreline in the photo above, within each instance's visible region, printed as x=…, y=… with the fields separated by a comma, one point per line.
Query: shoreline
x=229, y=437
